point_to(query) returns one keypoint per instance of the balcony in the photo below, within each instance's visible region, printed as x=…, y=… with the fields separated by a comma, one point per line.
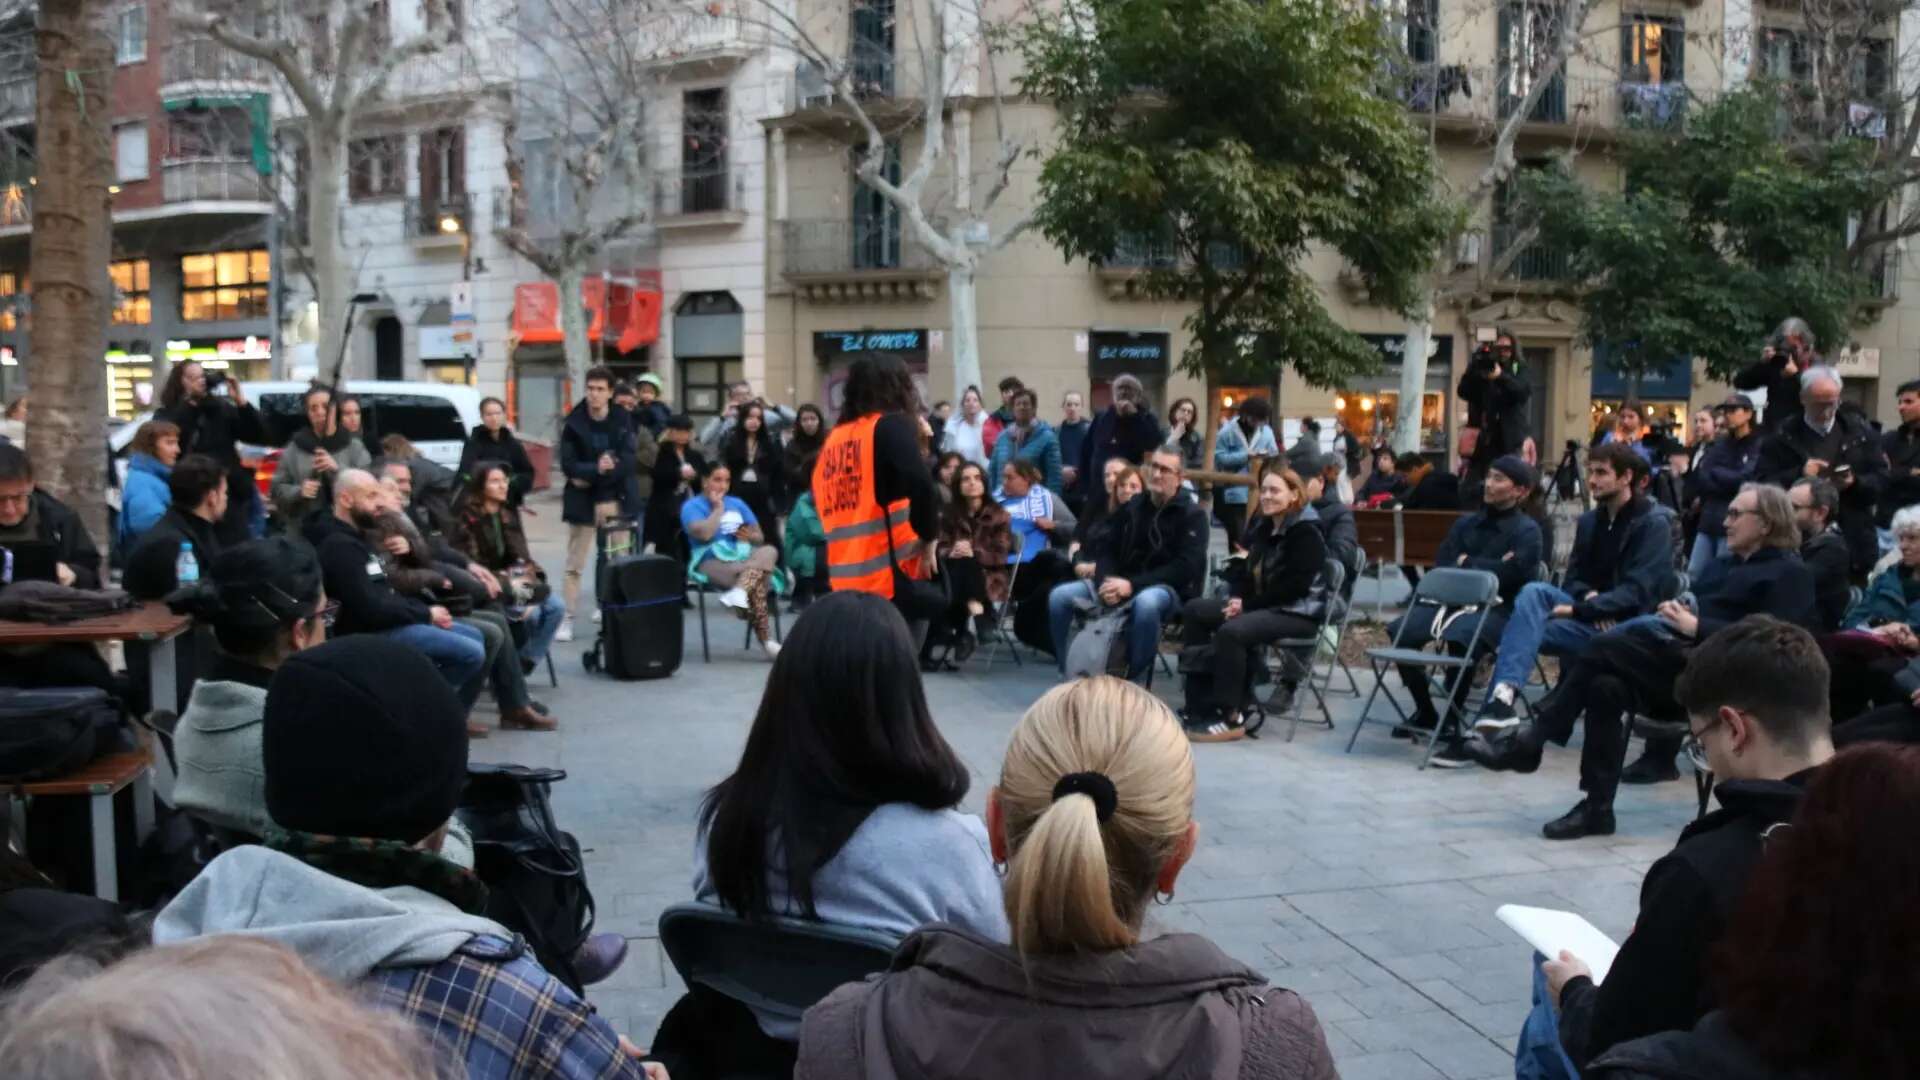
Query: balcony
x=694, y=37
x=18, y=95
x=700, y=200
x=1477, y=99
x=202, y=63
x=873, y=76
x=446, y=219
x=1535, y=263
x=213, y=180
x=865, y=259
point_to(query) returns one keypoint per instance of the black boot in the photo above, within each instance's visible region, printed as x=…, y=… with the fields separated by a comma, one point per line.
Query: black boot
x=1519, y=752
x=1580, y=821
x=1653, y=767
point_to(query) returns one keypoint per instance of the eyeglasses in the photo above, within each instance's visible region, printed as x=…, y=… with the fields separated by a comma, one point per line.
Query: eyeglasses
x=328, y=614
x=1696, y=750
x=1734, y=513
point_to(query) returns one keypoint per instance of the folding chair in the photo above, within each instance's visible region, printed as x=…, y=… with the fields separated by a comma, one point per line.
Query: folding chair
x=1288, y=649
x=702, y=588
x=1340, y=631
x=774, y=965
x=1003, y=617
x=1450, y=591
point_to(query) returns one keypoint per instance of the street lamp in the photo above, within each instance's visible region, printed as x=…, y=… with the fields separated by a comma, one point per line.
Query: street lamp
x=449, y=224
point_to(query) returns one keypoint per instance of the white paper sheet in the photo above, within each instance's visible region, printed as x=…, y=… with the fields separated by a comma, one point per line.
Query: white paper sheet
x=1550, y=931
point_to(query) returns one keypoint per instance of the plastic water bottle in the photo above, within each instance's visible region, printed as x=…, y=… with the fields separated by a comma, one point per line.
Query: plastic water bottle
x=186, y=568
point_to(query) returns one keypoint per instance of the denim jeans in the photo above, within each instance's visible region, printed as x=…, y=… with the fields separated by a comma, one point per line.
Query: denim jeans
x=543, y=622
x=1539, y=1055
x=1150, y=608
x=460, y=654
x=1705, y=550
x=1532, y=630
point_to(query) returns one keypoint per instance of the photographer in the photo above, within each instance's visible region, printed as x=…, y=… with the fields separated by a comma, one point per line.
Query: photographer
x=1496, y=412
x=1778, y=372
x=1836, y=444
x=211, y=423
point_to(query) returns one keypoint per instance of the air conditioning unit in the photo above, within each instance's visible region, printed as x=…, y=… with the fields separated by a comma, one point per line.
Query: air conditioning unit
x=813, y=89
x=1467, y=252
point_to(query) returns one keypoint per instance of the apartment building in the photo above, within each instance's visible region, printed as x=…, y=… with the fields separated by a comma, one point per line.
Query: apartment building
x=192, y=251
x=845, y=276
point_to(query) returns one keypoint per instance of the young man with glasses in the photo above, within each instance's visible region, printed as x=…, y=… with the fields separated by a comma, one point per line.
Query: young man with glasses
x=1756, y=705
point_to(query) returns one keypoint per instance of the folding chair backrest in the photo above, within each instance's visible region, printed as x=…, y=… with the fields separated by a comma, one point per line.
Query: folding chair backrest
x=1334, y=572
x=1451, y=587
x=778, y=966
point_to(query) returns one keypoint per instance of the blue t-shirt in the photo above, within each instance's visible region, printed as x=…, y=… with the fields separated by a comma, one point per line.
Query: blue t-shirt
x=697, y=507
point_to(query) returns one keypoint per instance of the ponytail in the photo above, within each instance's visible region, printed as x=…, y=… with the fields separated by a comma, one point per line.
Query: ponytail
x=1059, y=890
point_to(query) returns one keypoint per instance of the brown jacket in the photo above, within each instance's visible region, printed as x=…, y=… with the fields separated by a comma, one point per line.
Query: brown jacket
x=957, y=1006
x=991, y=535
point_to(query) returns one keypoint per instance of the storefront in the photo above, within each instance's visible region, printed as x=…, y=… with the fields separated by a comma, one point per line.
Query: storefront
x=1146, y=355
x=134, y=378
x=709, y=341
x=1663, y=394
x=447, y=353
x=623, y=324
x=1370, y=407
x=836, y=350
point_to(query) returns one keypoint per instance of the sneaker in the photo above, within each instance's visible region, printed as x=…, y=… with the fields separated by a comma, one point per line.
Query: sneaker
x=1422, y=725
x=566, y=630
x=1497, y=716
x=1451, y=755
x=596, y=616
x=1222, y=730
x=735, y=597
x=772, y=648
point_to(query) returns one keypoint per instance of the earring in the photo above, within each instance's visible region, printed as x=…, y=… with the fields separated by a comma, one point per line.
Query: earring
x=1000, y=869
x=1163, y=898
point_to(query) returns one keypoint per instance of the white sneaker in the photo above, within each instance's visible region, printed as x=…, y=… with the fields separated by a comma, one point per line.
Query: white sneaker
x=596, y=616
x=566, y=630
x=772, y=647
x=735, y=597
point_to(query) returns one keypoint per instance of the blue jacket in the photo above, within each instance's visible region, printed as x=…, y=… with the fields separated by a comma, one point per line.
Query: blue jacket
x=582, y=440
x=1072, y=437
x=1042, y=448
x=1885, y=601
x=1771, y=581
x=1231, y=449
x=1727, y=463
x=145, y=499
x=1487, y=539
x=1641, y=576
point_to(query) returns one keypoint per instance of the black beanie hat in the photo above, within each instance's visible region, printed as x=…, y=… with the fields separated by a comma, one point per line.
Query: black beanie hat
x=1515, y=468
x=364, y=738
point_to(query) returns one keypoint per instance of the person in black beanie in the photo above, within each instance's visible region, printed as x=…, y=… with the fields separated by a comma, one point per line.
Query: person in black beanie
x=366, y=754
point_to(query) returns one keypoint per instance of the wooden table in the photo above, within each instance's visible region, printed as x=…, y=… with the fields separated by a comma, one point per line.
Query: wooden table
x=99, y=782
x=150, y=622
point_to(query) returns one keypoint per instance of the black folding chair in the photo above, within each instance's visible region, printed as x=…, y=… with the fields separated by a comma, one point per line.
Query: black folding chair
x=774, y=965
x=1448, y=592
x=1292, y=650
x=703, y=589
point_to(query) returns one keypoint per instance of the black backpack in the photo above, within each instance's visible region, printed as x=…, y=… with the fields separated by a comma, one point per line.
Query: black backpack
x=536, y=882
x=45, y=733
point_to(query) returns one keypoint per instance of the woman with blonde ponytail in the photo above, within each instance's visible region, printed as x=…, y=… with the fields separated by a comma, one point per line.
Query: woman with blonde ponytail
x=1092, y=819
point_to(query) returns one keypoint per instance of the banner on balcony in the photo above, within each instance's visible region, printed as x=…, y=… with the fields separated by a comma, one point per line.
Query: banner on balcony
x=617, y=312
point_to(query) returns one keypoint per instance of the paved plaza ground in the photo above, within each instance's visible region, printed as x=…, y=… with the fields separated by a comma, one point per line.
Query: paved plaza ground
x=1365, y=885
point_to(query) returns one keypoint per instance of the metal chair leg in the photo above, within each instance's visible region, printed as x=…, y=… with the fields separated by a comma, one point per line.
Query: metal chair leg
x=553, y=678
x=706, y=652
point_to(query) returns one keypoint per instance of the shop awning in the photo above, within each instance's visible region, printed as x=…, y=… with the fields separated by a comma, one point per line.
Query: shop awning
x=616, y=312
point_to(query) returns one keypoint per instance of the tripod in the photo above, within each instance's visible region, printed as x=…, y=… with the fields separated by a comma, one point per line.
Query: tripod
x=1568, y=482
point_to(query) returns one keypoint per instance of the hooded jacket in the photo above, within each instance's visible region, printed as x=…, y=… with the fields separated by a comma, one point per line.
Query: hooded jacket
x=1285, y=566
x=144, y=499
x=956, y=1005
x=1160, y=545
x=582, y=440
x=467, y=981
x=296, y=468
x=1659, y=980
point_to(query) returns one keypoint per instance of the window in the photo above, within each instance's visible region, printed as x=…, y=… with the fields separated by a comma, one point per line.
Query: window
x=703, y=151
x=1527, y=32
x=872, y=48
x=1652, y=50
x=130, y=152
x=12, y=286
x=876, y=221
x=443, y=165
x=130, y=35
x=417, y=417
x=1412, y=24
x=373, y=167
x=131, y=304
x=1783, y=55
x=224, y=285
x=379, y=28
x=456, y=24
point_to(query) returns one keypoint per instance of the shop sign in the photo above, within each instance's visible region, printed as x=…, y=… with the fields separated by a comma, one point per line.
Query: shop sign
x=1858, y=363
x=832, y=343
x=442, y=343
x=1673, y=382
x=1393, y=348
x=1128, y=352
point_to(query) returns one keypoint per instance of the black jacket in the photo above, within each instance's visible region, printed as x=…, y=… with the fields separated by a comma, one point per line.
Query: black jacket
x=61, y=527
x=1659, y=980
x=1783, y=390
x=1505, y=543
x=767, y=492
x=1783, y=458
x=1902, y=488
x=1114, y=436
x=151, y=566
x=352, y=573
x=900, y=472
x=483, y=445
x=1642, y=574
x=1725, y=465
x=213, y=425
x=1771, y=581
x=1498, y=407
x=1711, y=1051
x=1826, y=558
x=1282, y=569
x=582, y=441
x=1160, y=545
x=1436, y=491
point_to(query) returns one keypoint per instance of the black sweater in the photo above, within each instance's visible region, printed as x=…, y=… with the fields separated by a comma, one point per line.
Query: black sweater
x=1506, y=543
x=351, y=570
x=900, y=472
x=1659, y=980
x=1771, y=581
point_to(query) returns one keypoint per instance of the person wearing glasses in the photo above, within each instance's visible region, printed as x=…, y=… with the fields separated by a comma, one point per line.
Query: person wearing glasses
x=1496, y=400
x=1632, y=667
x=1756, y=705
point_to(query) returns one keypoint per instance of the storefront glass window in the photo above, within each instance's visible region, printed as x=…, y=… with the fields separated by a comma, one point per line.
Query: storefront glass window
x=1370, y=405
x=131, y=305
x=224, y=285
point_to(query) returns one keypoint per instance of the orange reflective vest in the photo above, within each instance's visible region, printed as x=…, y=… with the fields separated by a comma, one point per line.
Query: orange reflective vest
x=857, y=526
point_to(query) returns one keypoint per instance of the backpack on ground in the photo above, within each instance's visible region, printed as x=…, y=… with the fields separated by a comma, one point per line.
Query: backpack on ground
x=536, y=881
x=50, y=732
x=1100, y=648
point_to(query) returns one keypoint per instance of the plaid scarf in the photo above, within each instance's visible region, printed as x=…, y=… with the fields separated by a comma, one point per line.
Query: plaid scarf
x=383, y=864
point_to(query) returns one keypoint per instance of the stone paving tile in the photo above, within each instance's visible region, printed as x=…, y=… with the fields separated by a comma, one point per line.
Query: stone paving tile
x=1361, y=882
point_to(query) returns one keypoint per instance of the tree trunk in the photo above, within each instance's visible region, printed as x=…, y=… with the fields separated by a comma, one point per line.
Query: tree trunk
x=573, y=326
x=332, y=277
x=1413, y=380
x=965, y=314
x=69, y=249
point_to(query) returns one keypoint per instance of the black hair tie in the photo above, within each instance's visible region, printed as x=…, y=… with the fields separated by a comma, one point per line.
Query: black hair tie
x=1094, y=786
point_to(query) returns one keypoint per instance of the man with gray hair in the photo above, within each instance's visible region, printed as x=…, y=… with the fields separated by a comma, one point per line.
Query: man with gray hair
x=1786, y=357
x=1836, y=444
x=1125, y=429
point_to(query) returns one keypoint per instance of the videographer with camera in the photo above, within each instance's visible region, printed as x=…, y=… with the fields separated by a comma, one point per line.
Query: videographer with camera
x=212, y=422
x=1836, y=444
x=1778, y=372
x=1496, y=413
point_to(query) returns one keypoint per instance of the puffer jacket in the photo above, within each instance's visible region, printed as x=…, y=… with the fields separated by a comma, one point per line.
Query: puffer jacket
x=954, y=1005
x=144, y=500
x=1285, y=566
x=1042, y=447
x=1885, y=601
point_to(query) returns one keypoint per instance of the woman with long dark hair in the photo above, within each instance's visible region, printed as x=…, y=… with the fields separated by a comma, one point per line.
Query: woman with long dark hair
x=1814, y=974
x=753, y=456
x=676, y=476
x=803, y=443
x=486, y=528
x=843, y=808
x=493, y=440
x=1183, y=430
x=730, y=551
x=975, y=537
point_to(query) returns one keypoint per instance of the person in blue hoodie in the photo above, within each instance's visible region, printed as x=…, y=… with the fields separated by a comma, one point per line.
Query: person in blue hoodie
x=1029, y=438
x=144, y=499
x=1248, y=435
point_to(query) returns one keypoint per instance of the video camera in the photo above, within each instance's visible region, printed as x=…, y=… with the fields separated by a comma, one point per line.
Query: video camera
x=1484, y=359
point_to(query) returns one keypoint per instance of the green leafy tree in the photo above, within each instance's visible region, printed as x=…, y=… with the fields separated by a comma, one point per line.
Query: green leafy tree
x=1719, y=232
x=1229, y=141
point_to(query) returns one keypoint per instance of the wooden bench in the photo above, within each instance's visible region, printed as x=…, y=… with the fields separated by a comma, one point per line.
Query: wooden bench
x=1402, y=538
x=99, y=782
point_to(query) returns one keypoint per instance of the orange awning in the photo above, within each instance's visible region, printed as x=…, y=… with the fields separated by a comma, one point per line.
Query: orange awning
x=643, y=320
x=614, y=311
x=536, y=313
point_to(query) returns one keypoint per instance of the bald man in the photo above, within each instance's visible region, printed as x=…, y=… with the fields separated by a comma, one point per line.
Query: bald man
x=368, y=603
